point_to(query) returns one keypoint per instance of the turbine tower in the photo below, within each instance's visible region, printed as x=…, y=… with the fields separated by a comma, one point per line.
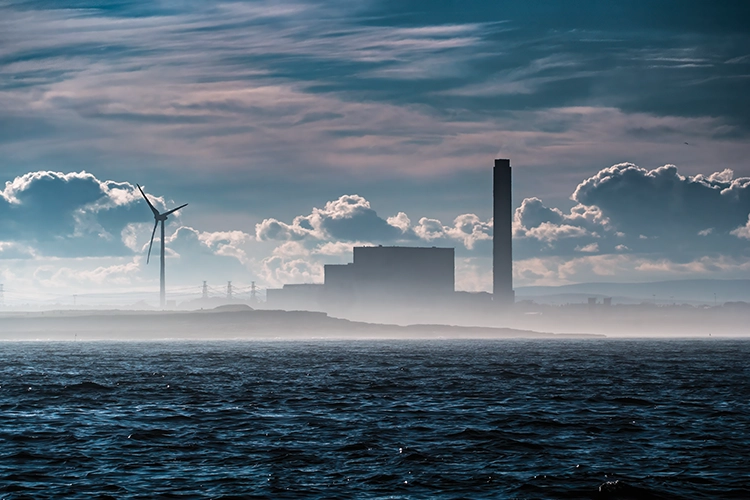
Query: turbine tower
x=159, y=217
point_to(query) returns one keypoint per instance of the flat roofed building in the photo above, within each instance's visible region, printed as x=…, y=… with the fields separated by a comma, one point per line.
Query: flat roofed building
x=305, y=297
x=392, y=276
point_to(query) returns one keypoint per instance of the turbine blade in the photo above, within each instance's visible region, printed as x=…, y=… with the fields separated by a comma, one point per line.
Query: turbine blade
x=174, y=210
x=156, y=223
x=153, y=208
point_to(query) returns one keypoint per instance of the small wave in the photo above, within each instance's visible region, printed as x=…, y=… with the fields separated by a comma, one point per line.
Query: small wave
x=355, y=447
x=150, y=434
x=625, y=400
x=618, y=490
x=22, y=456
x=496, y=437
x=87, y=386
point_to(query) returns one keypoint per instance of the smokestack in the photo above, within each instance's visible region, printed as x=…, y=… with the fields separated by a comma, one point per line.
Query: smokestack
x=502, y=241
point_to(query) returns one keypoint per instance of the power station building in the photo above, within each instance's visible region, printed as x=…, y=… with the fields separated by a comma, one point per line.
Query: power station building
x=418, y=278
x=391, y=277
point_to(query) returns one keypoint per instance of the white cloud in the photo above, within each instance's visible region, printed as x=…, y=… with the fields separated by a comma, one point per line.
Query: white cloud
x=590, y=248
x=473, y=274
x=549, y=232
x=554, y=271
x=401, y=221
x=656, y=212
x=276, y=271
x=429, y=229
x=742, y=231
x=469, y=229
x=338, y=248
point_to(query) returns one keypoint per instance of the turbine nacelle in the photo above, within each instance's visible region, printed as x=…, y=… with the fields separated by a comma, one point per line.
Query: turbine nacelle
x=158, y=217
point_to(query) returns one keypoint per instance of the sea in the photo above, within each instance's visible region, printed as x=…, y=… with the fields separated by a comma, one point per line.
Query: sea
x=453, y=419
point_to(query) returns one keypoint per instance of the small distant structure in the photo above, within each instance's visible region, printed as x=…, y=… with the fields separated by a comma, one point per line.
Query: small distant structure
x=594, y=304
x=220, y=297
x=296, y=297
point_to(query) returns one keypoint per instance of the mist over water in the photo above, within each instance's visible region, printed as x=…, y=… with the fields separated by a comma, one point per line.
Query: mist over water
x=373, y=419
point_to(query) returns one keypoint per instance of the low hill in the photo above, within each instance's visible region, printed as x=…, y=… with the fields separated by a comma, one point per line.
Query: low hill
x=700, y=291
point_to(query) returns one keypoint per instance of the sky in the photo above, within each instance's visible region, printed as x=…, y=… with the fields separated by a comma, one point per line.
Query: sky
x=296, y=130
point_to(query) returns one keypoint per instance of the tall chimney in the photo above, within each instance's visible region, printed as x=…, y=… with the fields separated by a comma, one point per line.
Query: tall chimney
x=502, y=241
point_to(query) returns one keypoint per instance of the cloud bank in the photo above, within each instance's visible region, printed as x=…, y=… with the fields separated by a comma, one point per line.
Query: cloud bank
x=629, y=209
x=627, y=223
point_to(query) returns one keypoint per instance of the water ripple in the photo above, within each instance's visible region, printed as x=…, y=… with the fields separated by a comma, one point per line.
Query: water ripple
x=448, y=419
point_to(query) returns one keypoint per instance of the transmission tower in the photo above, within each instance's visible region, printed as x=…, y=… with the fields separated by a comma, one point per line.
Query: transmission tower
x=205, y=291
x=229, y=290
x=253, y=290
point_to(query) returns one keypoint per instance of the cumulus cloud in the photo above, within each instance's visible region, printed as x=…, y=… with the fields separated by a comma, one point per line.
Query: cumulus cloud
x=351, y=218
x=743, y=231
x=590, y=248
x=70, y=214
x=622, y=214
x=662, y=202
x=467, y=229
x=290, y=262
x=626, y=220
x=221, y=255
x=328, y=234
x=401, y=221
x=72, y=230
x=629, y=208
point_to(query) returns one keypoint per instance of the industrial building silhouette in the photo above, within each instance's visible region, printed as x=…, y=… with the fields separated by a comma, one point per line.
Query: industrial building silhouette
x=392, y=275
x=410, y=279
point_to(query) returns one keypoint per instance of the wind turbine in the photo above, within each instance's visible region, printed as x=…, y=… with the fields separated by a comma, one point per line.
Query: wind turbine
x=159, y=217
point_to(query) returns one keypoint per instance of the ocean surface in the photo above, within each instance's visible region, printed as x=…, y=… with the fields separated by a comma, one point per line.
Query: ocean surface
x=391, y=419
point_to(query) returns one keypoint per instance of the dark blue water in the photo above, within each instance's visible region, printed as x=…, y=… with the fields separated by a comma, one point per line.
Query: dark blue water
x=409, y=419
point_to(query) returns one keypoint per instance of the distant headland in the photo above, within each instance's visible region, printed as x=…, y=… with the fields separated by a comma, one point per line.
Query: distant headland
x=230, y=322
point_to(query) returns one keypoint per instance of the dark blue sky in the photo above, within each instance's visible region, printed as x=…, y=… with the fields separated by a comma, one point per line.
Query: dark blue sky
x=344, y=115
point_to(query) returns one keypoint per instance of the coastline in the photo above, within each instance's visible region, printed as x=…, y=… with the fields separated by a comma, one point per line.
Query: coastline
x=234, y=325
